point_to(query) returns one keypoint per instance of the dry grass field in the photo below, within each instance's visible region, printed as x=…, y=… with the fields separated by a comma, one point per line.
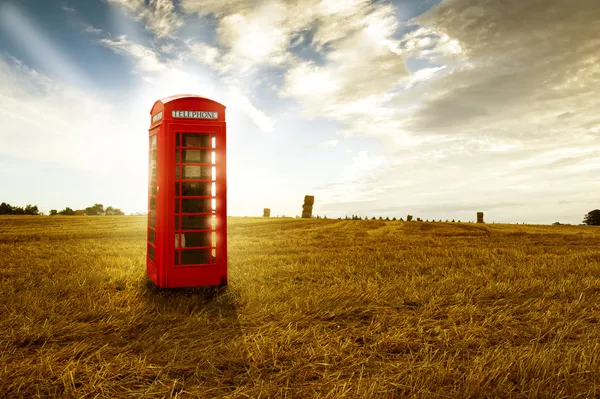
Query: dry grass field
x=314, y=309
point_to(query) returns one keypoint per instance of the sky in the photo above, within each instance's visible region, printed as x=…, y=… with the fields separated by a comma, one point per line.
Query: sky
x=434, y=108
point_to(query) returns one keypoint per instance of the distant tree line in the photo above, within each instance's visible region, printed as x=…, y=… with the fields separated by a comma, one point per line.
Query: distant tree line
x=96, y=209
x=592, y=218
x=7, y=209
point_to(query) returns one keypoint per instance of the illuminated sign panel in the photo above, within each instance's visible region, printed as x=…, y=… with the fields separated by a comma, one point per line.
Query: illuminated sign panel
x=195, y=114
x=157, y=117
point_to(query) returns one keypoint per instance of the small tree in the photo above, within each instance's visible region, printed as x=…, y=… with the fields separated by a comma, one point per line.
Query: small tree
x=453, y=221
x=394, y=218
x=97, y=209
x=6, y=209
x=592, y=218
x=53, y=212
x=18, y=210
x=32, y=210
x=67, y=211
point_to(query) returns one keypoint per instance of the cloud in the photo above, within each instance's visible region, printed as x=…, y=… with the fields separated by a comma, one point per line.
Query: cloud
x=69, y=10
x=205, y=54
x=159, y=16
x=328, y=144
x=146, y=59
x=49, y=122
x=236, y=99
x=91, y=29
x=348, y=74
x=426, y=43
x=514, y=106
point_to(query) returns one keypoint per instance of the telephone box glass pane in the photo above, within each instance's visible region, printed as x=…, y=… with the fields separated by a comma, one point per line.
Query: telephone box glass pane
x=197, y=173
x=196, y=140
x=153, y=172
x=177, y=139
x=179, y=240
x=152, y=203
x=196, y=189
x=177, y=222
x=196, y=222
x=193, y=156
x=151, y=235
x=196, y=205
x=153, y=219
x=195, y=256
x=150, y=251
x=176, y=260
x=153, y=141
x=199, y=239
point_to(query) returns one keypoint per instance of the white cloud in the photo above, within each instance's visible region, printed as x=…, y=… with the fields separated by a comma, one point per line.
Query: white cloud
x=428, y=44
x=328, y=143
x=69, y=10
x=147, y=60
x=204, y=53
x=236, y=99
x=91, y=29
x=50, y=122
x=159, y=16
x=507, y=111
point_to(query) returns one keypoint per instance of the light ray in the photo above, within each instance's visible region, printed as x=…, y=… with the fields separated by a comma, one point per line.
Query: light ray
x=38, y=47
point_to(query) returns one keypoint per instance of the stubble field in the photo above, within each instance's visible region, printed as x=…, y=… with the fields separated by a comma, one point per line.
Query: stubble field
x=314, y=309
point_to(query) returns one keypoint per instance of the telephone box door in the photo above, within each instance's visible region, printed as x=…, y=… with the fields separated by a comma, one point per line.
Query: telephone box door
x=196, y=203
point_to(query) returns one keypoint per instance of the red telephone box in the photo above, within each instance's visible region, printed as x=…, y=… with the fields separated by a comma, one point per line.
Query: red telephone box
x=187, y=193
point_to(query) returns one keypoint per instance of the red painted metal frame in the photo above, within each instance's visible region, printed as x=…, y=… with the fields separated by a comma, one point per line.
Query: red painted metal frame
x=162, y=271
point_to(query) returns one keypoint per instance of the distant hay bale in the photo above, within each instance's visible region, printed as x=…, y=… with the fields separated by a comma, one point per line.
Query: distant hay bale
x=480, y=217
x=80, y=212
x=409, y=218
x=307, y=207
x=267, y=212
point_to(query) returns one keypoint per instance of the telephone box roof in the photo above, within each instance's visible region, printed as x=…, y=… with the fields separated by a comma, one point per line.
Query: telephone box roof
x=180, y=96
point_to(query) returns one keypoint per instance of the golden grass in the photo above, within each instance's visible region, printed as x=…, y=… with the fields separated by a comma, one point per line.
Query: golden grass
x=315, y=308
